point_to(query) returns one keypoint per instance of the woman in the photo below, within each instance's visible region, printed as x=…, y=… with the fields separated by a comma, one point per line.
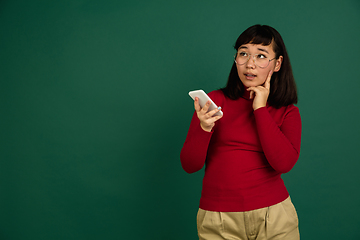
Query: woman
x=247, y=149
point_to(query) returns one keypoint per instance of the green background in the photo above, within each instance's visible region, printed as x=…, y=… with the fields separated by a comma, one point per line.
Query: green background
x=94, y=112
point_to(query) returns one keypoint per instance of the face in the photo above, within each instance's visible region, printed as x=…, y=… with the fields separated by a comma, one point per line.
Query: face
x=250, y=74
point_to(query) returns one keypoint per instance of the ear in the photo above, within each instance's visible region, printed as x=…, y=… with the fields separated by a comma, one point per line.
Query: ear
x=278, y=64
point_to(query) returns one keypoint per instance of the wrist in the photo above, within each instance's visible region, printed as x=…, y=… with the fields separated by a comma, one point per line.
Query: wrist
x=206, y=129
x=257, y=107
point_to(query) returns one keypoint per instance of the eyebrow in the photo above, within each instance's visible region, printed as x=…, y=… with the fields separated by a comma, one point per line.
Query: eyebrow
x=260, y=49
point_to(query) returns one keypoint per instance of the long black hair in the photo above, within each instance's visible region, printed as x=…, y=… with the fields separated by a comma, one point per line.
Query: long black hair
x=283, y=91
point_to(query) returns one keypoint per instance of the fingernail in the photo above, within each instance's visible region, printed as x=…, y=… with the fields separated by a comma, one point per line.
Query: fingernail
x=219, y=108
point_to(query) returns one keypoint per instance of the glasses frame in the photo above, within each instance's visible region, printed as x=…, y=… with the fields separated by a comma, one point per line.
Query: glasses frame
x=253, y=60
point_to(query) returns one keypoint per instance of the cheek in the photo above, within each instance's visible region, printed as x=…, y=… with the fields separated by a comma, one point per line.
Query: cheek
x=263, y=74
x=238, y=68
x=274, y=68
x=239, y=71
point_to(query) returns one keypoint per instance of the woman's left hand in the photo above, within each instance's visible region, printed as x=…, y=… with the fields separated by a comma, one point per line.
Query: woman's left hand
x=260, y=93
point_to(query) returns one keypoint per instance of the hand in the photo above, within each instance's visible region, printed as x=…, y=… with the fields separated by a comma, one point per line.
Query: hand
x=207, y=119
x=261, y=93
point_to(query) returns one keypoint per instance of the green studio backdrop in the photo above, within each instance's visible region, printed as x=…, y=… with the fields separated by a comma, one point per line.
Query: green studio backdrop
x=94, y=112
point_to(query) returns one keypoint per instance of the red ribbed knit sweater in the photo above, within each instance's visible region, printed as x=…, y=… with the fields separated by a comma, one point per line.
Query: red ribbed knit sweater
x=244, y=155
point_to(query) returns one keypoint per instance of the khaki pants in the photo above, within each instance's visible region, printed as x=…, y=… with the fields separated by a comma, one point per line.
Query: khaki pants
x=276, y=222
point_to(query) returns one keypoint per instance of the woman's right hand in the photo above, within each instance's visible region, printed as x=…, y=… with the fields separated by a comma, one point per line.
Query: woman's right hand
x=207, y=119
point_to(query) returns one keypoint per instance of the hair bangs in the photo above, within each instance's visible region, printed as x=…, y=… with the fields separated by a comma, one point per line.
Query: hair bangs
x=255, y=35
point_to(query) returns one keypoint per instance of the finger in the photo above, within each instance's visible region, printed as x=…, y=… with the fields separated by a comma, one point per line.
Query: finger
x=251, y=94
x=216, y=118
x=213, y=112
x=212, y=120
x=196, y=104
x=253, y=91
x=206, y=107
x=267, y=82
x=209, y=123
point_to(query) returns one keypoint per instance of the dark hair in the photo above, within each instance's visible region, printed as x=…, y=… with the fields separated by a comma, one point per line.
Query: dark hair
x=283, y=90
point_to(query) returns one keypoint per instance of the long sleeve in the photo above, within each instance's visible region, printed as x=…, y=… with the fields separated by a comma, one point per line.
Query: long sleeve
x=281, y=145
x=193, y=153
x=245, y=154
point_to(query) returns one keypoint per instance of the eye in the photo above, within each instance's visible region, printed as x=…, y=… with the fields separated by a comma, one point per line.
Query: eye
x=261, y=56
x=242, y=54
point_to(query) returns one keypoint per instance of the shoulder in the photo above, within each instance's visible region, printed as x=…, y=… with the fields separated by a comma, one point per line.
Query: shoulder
x=285, y=109
x=292, y=109
x=290, y=112
x=217, y=96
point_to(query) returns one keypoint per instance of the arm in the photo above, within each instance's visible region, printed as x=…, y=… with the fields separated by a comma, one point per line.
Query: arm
x=193, y=153
x=281, y=145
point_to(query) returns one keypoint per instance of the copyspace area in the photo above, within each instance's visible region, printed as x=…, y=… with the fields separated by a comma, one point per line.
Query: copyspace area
x=94, y=112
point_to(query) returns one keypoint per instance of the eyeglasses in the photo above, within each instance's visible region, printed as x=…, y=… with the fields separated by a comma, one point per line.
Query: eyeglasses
x=259, y=59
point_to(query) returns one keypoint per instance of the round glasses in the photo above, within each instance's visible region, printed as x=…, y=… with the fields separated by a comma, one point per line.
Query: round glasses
x=259, y=59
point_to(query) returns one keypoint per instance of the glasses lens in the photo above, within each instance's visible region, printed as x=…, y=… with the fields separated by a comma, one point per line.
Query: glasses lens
x=242, y=57
x=261, y=62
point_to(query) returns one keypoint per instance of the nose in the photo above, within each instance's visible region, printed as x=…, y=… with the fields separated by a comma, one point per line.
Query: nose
x=250, y=63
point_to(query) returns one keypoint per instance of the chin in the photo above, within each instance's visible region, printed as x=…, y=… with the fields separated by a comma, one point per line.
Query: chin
x=248, y=84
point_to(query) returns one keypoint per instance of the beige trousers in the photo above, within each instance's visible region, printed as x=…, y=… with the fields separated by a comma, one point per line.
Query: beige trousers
x=276, y=222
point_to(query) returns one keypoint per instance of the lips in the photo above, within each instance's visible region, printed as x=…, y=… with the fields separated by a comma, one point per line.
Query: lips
x=249, y=76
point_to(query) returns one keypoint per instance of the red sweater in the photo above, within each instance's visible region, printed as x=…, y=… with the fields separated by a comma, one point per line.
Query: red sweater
x=245, y=154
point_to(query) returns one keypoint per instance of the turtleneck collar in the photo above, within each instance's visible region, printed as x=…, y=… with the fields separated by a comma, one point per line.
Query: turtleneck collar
x=246, y=94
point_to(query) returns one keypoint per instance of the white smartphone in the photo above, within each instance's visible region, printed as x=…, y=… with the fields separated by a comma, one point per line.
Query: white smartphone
x=203, y=98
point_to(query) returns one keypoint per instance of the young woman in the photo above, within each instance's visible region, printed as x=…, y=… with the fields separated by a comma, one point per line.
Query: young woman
x=247, y=149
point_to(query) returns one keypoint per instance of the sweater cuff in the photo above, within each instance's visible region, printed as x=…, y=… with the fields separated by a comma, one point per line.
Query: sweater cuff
x=204, y=134
x=261, y=109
